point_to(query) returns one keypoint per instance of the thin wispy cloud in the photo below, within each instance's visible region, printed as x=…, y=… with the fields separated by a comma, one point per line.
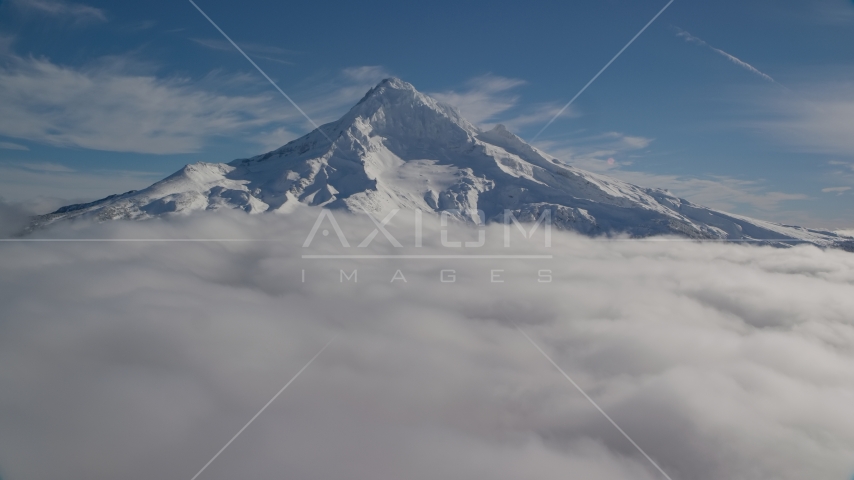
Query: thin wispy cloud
x=843, y=164
x=732, y=58
x=329, y=97
x=599, y=152
x=818, y=120
x=831, y=12
x=265, y=52
x=140, y=26
x=275, y=138
x=615, y=153
x=222, y=45
x=6, y=42
x=482, y=98
x=722, y=192
x=536, y=114
x=75, y=11
x=49, y=185
x=489, y=99
x=12, y=146
x=111, y=106
x=119, y=104
x=46, y=167
x=837, y=190
x=367, y=74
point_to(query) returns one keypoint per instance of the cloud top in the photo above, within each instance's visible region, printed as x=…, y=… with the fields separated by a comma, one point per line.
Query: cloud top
x=721, y=361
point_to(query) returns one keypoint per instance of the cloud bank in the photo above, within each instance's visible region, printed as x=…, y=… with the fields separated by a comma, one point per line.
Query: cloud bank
x=140, y=360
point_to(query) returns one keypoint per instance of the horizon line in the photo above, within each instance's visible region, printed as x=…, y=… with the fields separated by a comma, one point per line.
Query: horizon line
x=235, y=240
x=429, y=256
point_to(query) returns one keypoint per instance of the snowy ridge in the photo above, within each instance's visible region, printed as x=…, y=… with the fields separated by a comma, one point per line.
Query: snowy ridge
x=399, y=148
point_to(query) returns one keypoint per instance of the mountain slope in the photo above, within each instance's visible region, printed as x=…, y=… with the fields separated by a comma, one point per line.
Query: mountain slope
x=398, y=148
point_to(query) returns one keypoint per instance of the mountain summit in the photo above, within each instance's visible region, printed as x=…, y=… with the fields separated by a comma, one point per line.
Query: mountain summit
x=399, y=148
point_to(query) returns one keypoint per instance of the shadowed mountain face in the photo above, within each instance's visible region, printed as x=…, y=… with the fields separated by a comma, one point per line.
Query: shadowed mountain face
x=399, y=148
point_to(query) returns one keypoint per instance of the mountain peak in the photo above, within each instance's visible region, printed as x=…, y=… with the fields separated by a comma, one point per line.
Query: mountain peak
x=395, y=108
x=390, y=87
x=401, y=149
x=396, y=83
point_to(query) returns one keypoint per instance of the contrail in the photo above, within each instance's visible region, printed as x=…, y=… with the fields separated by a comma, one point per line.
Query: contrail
x=732, y=58
x=603, y=69
x=261, y=71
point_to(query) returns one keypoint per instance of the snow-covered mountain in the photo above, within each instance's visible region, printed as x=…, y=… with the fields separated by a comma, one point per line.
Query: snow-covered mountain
x=399, y=148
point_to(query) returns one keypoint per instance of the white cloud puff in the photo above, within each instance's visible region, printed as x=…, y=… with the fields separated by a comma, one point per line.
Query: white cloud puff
x=141, y=359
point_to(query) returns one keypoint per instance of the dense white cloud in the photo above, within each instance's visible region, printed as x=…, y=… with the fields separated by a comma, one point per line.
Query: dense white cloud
x=140, y=360
x=14, y=218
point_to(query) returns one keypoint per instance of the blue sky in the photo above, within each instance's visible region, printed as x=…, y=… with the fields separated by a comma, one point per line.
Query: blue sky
x=742, y=105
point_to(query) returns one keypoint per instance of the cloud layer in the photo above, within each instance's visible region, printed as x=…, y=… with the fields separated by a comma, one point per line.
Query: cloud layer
x=140, y=360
